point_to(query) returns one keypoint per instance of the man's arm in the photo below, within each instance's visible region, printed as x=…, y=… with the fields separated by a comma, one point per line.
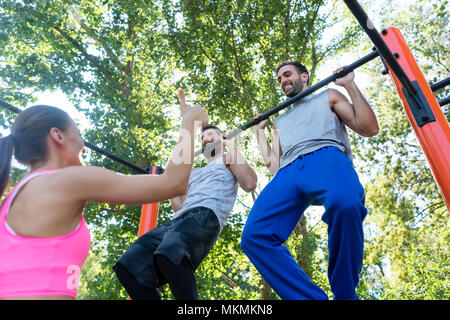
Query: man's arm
x=271, y=155
x=236, y=163
x=358, y=116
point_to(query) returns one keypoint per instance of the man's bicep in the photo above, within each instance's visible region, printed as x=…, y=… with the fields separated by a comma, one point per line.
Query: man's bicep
x=340, y=105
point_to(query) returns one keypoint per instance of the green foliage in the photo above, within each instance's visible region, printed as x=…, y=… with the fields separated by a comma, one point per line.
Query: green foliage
x=120, y=63
x=406, y=212
x=428, y=274
x=231, y=49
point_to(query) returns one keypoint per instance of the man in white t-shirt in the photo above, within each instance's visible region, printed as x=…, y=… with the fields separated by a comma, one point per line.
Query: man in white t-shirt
x=171, y=252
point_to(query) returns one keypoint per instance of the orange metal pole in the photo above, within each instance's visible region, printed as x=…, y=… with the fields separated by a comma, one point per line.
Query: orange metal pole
x=433, y=136
x=149, y=214
x=149, y=217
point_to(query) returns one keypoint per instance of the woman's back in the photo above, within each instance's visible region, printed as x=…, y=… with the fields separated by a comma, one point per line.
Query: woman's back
x=38, y=265
x=42, y=208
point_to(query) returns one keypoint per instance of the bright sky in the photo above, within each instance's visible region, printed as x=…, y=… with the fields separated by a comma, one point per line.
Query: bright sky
x=60, y=100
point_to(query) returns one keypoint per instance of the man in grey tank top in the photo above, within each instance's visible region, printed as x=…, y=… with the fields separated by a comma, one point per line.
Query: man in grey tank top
x=171, y=252
x=311, y=161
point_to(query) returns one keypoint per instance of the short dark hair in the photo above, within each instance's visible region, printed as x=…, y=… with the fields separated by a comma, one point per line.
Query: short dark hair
x=210, y=126
x=300, y=67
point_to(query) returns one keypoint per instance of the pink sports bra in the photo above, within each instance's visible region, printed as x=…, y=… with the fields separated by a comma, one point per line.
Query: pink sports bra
x=40, y=266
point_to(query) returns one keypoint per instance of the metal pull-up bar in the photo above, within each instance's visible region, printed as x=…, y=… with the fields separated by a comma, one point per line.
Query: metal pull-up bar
x=439, y=85
x=115, y=158
x=292, y=100
x=379, y=43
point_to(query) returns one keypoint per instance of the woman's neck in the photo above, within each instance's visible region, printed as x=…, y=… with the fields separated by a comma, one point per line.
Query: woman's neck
x=52, y=164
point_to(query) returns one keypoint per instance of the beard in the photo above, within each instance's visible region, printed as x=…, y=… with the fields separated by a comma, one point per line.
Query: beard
x=296, y=88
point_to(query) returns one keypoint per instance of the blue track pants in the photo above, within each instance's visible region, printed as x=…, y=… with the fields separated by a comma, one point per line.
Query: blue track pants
x=328, y=176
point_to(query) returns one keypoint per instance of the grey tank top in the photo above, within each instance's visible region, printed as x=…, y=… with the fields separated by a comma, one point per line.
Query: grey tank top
x=309, y=125
x=212, y=186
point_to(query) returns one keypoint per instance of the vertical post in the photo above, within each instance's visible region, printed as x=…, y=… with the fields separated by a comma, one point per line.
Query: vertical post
x=433, y=134
x=422, y=108
x=149, y=212
x=386, y=54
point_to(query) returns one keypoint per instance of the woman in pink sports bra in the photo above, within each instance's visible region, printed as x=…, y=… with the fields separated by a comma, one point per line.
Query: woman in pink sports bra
x=44, y=239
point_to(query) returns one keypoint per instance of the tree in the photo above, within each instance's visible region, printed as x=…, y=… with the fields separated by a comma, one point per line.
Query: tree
x=406, y=211
x=229, y=51
x=120, y=63
x=428, y=271
x=111, y=57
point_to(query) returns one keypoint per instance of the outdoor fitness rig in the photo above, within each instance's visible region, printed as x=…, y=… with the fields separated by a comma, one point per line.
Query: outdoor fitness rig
x=422, y=108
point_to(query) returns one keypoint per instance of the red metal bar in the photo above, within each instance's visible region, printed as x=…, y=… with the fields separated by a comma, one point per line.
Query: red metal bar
x=433, y=136
x=149, y=214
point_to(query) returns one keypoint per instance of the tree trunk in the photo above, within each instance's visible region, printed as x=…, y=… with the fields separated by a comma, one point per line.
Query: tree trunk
x=265, y=290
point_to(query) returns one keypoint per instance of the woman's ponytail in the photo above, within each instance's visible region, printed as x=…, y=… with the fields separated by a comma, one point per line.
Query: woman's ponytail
x=6, y=153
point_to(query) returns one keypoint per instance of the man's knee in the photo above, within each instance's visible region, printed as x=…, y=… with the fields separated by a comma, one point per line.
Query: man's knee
x=347, y=208
x=252, y=238
x=247, y=240
x=256, y=239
